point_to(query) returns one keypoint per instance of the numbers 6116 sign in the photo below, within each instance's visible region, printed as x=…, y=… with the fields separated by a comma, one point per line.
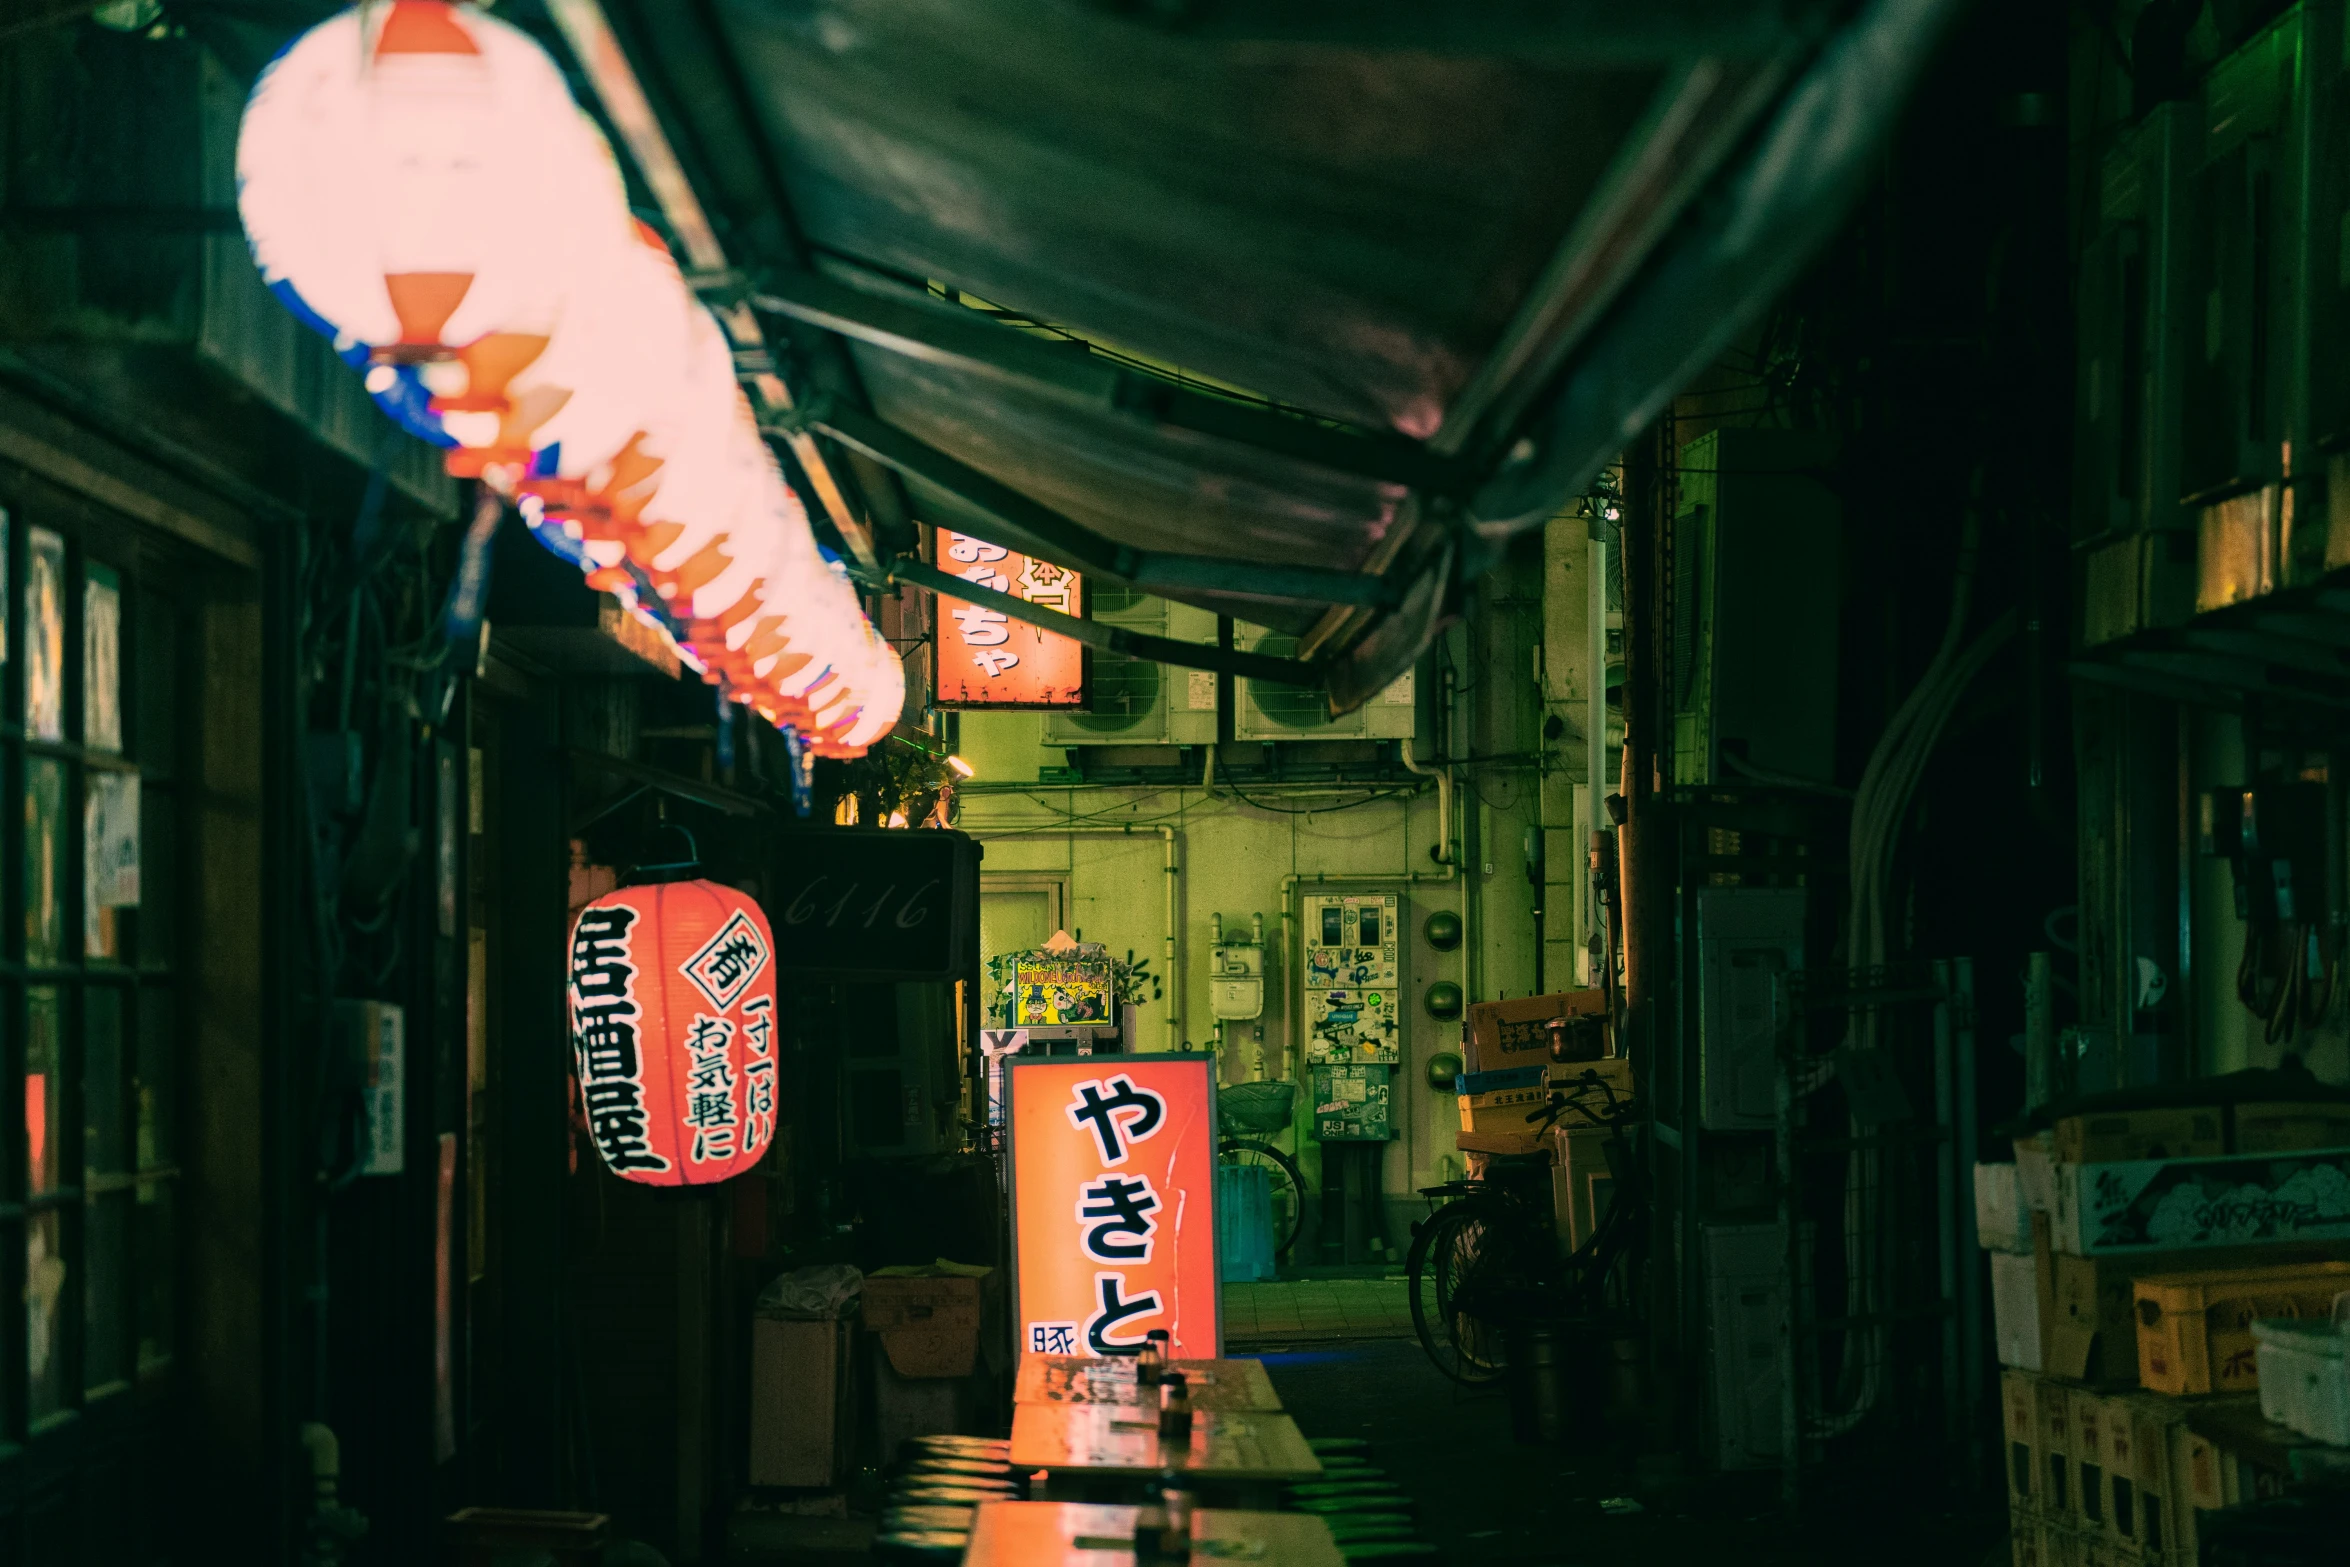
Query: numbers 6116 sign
x=875, y=903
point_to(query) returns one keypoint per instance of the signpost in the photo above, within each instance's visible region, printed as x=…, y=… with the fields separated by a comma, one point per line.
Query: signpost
x=1113, y=1175
x=983, y=658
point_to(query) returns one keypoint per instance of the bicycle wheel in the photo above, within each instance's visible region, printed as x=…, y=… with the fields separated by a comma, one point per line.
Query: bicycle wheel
x=1446, y=1250
x=1289, y=1187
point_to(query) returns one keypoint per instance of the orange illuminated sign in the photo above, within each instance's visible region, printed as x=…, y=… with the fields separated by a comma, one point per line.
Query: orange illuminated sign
x=1114, y=1203
x=982, y=656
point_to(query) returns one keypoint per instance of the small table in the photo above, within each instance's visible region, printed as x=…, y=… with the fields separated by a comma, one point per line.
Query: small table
x=1076, y=1534
x=1087, y=1379
x=1110, y=1452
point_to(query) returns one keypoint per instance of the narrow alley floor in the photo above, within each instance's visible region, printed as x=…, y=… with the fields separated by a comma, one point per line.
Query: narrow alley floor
x=1484, y=1499
x=1282, y=1312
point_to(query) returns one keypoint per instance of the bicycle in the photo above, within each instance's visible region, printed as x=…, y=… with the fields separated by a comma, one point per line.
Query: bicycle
x=1491, y=1256
x=1264, y=1108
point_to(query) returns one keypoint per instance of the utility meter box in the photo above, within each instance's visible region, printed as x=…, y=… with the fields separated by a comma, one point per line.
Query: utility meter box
x=1236, y=981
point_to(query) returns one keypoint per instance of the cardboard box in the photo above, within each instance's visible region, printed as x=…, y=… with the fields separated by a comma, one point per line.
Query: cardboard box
x=802, y=1401
x=2091, y=1305
x=2019, y=1430
x=1506, y=1111
x=2126, y=1136
x=2018, y=1329
x=1518, y=1032
x=2196, y=1488
x=1524, y=1140
x=2128, y=1487
x=929, y=1327
x=2195, y=1329
x=1494, y=1082
x=2002, y=1221
x=2290, y=1127
x=1614, y=1071
x=2091, y=1335
x=1581, y=1182
x=2087, y=1408
x=2035, y=1172
x=2175, y=1204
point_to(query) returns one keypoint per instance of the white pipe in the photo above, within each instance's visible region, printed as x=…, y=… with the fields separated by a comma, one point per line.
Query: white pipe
x=1443, y=776
x=1594, y=742
x=1173, y=975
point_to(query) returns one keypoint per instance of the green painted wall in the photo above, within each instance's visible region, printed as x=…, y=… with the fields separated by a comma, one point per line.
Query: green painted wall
x=1236, y=859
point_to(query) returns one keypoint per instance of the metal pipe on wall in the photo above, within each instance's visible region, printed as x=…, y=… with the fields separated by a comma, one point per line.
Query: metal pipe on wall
x=1173, y=948
x=1595, y=737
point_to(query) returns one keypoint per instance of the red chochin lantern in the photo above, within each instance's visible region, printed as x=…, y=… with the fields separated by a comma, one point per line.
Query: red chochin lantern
x=673, y=1031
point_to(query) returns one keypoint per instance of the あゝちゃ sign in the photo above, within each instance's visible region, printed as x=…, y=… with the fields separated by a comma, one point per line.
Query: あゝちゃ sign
x=1114, y=1203
x=985, y=658
x=672, y=1001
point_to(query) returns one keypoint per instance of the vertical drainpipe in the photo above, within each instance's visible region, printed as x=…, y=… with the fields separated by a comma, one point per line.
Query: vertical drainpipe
x=1595, y=734
x=1175, y=976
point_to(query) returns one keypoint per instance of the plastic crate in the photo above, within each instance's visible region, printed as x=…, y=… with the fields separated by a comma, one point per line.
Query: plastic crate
x=1244, y=1223
x=2305, y=1377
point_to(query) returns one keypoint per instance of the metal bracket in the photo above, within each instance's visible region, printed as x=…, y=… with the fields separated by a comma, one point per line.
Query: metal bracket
x=1066, y=542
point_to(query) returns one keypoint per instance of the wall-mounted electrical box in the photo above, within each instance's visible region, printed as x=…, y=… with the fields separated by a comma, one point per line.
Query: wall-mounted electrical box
x=1749, y=942
x=1746, y=1320
x=1236, y=973
x=1756, y=544
x=1353, y=978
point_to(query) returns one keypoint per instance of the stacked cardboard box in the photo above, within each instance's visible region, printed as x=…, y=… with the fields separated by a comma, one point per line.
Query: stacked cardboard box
x=2129, y=1253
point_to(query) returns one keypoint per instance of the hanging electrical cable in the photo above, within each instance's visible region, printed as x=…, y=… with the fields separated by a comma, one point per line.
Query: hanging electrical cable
x=1880, y=806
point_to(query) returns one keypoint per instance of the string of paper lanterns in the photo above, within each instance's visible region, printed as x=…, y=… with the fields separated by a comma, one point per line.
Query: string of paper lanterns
x=418, y=185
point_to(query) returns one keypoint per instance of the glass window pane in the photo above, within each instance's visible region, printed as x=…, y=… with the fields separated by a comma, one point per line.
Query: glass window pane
x=44, y=1314
x=44, y=635
x=154, y=694
x=105, y=1140
x=156, y=1239
x=110, y=859
x=105, y=1286
x=156, y=932
x=44, y=1053
x=158, y=1077
x=44, y=861
x=101, y=658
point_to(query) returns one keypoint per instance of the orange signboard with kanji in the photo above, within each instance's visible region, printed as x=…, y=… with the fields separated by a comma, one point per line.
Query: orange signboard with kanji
x=985, y=658
x=1114, y=1203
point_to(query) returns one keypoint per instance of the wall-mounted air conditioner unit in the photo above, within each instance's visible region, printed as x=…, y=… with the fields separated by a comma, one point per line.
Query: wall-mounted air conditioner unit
x=1265, y=711
x=1133, y=701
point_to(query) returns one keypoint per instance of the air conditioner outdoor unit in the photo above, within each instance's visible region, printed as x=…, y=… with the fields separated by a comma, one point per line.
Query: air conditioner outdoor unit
x=1263, y=710
x=1133, y=701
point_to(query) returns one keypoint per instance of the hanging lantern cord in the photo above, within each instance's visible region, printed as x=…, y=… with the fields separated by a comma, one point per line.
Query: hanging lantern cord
x=693, y=853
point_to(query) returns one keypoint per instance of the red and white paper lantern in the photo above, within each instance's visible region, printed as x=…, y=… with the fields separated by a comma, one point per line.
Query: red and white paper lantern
x=673, y=1034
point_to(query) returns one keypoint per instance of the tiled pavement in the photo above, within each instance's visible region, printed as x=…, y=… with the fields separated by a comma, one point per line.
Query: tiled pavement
x=1303, y=1311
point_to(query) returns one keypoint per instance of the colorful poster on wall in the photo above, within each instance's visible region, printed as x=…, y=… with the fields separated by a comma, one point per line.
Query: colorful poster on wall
x=1049, y=989
x=982, y=656
x=1114, y=1203
x=1351, y=980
